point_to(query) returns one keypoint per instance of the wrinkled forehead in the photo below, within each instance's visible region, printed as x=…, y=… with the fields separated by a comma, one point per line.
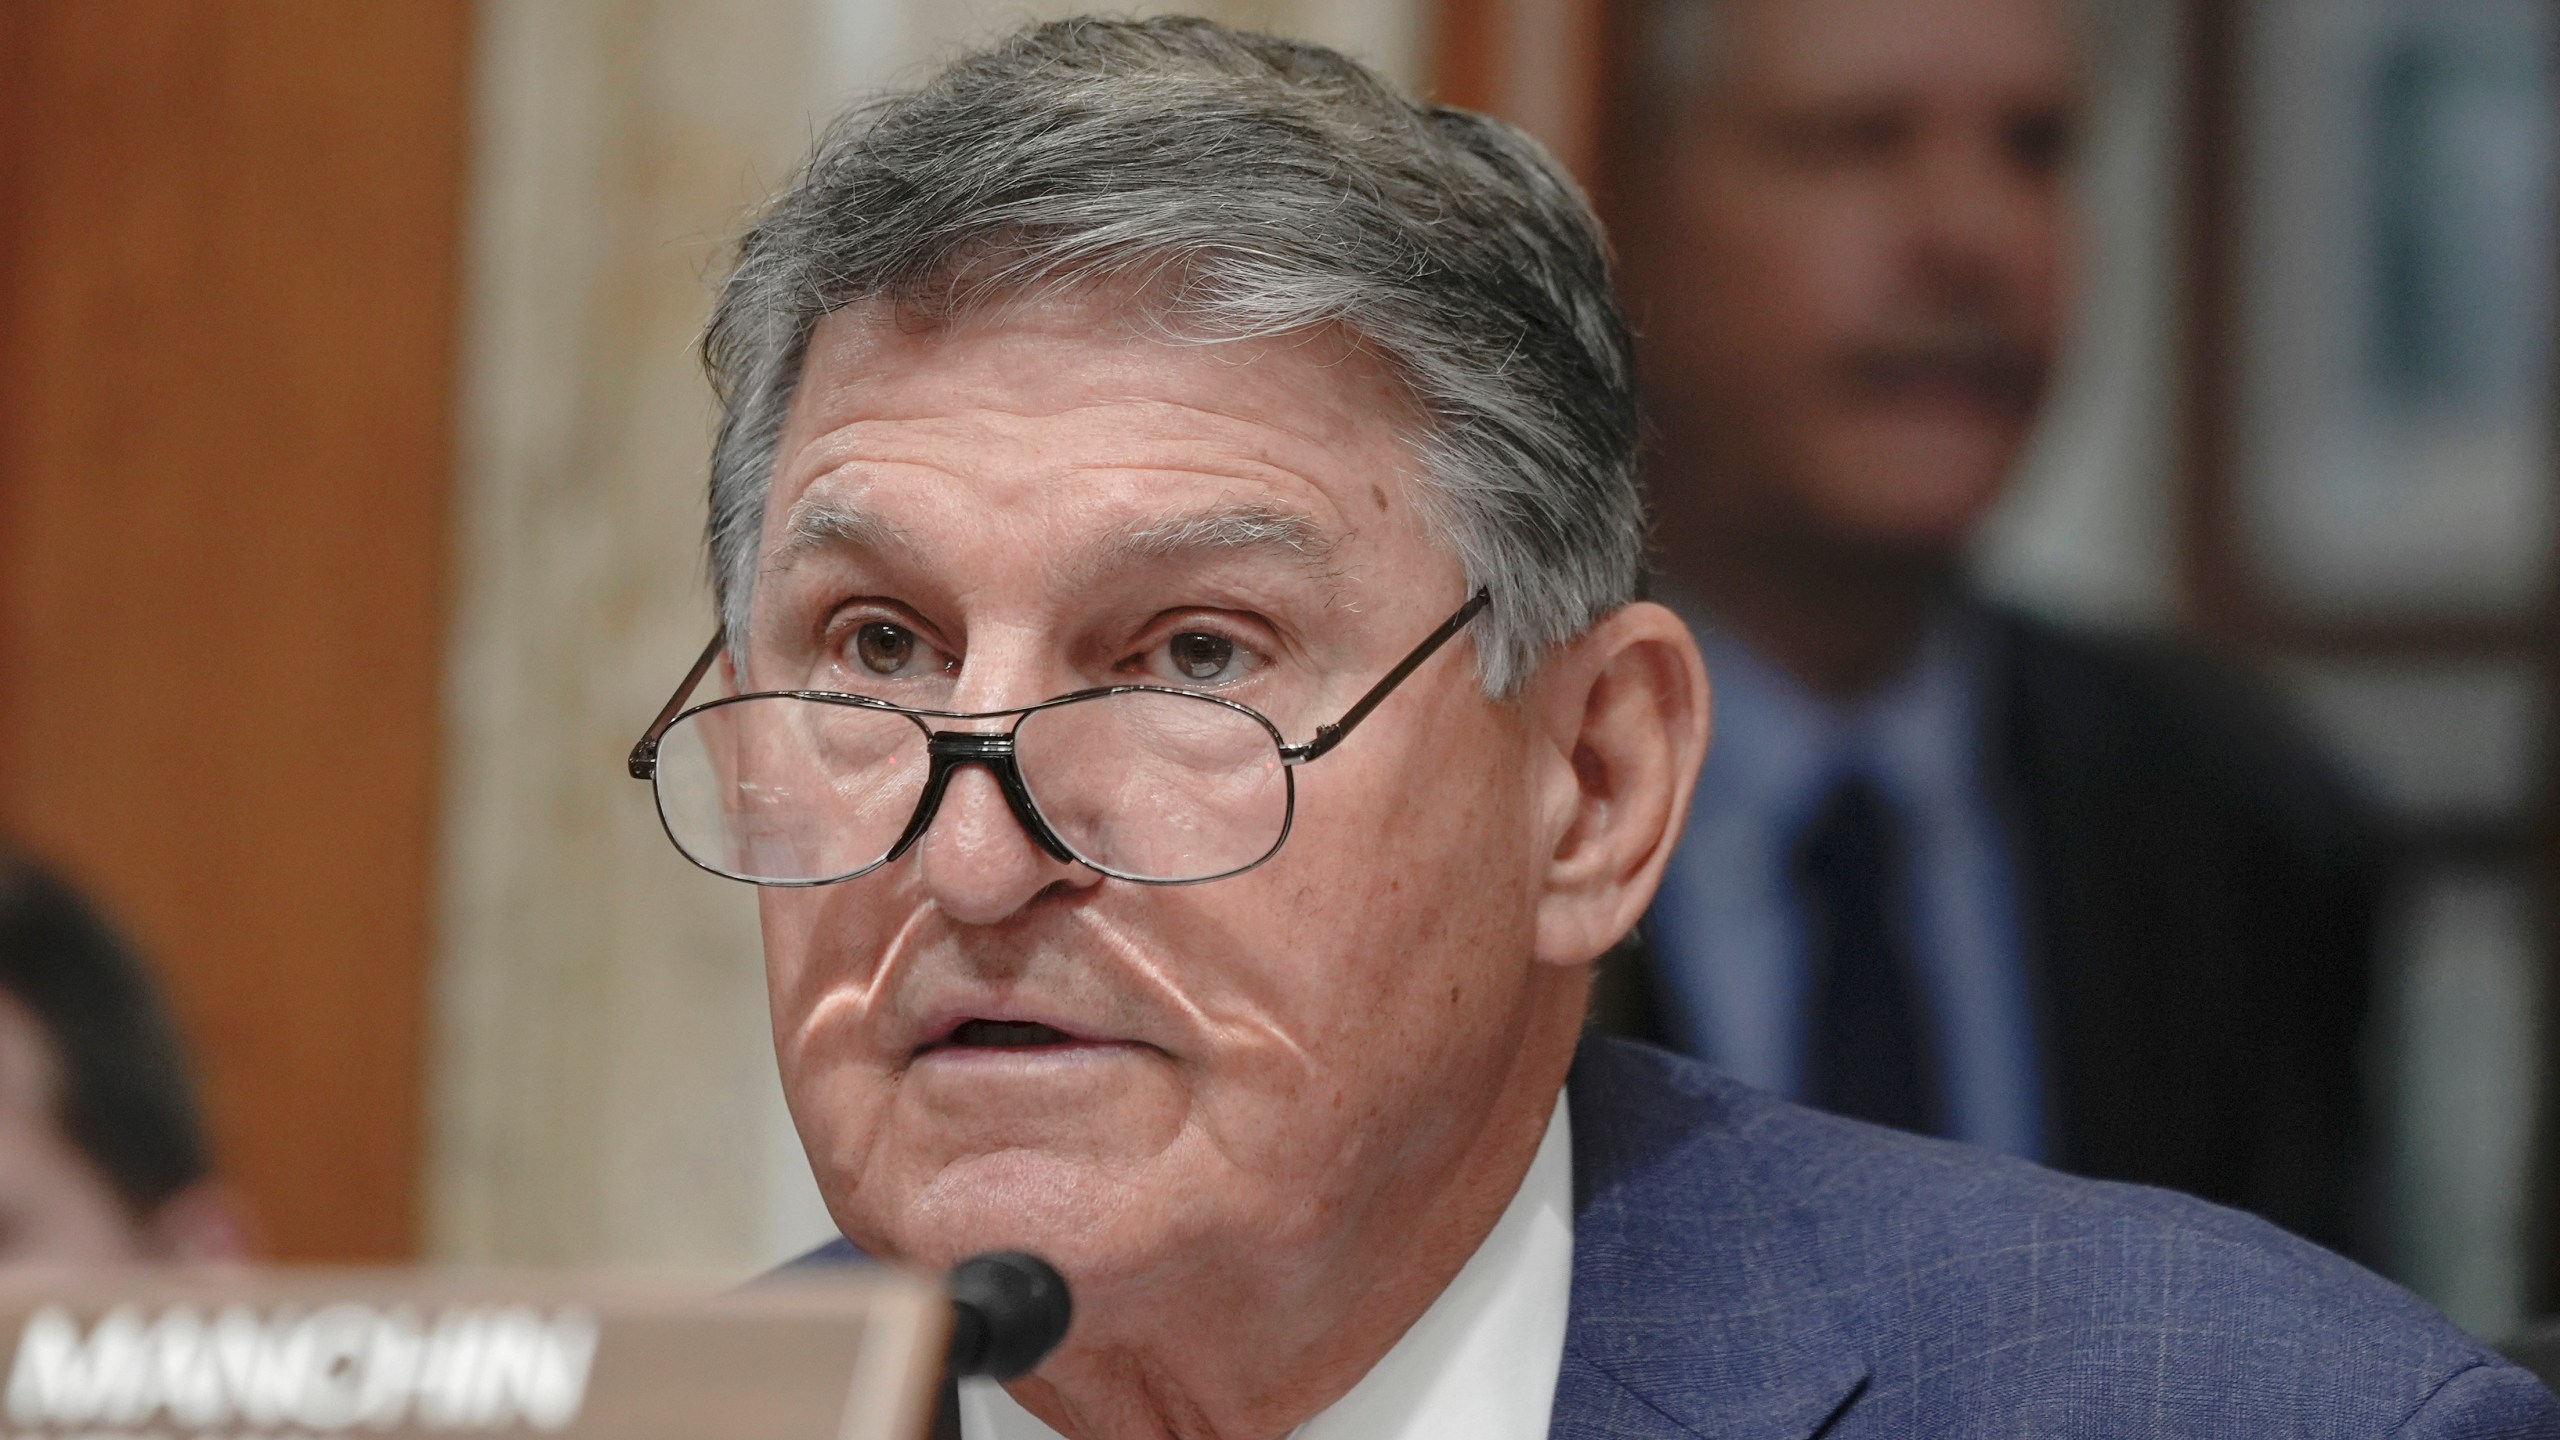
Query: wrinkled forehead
x=1058, y=436
x=1817, y=49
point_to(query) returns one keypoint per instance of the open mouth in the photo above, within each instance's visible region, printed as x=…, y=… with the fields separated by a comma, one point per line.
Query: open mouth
x=980, y=1035
x=1005, y=1035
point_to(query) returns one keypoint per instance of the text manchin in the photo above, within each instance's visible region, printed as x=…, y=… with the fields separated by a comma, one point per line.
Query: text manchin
x=338, y=1367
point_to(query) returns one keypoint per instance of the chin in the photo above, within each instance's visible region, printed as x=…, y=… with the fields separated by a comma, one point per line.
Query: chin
x=1918, y=490
x=1083, y=1217
x=923, y=1188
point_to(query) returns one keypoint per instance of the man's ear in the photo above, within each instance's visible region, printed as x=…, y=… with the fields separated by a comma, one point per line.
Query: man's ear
x=1624, y=712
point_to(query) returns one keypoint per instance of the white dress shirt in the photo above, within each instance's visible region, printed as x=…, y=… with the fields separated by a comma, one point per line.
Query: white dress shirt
x=1480, y=1364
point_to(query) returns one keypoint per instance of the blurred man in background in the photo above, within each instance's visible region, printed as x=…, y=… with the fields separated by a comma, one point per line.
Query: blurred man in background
x=102, y=1157
x=1952, y=868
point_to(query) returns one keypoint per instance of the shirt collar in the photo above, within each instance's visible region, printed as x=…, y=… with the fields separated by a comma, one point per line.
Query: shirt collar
x=1481, y=1362
x=1779, y=746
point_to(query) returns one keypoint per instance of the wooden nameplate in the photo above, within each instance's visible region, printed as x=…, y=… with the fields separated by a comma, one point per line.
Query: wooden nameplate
x=298, y=1355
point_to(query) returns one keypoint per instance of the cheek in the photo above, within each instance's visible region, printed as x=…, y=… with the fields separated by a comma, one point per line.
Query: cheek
x=1804, y=263
x=815, y=945
x=1758, y=311
x=821, y=954
x=1407, y=897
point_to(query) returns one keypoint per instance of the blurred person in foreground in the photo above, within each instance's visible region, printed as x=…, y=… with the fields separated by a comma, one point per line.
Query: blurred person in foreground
x=1194, y=725
x=2081, y=898
x=102, y=1157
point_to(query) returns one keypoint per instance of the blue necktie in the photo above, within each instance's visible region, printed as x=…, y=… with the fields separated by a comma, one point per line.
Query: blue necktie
x=1867, y=1051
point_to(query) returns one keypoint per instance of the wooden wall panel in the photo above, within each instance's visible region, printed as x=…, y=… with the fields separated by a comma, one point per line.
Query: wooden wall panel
x=228, y=241
x=1543, y=65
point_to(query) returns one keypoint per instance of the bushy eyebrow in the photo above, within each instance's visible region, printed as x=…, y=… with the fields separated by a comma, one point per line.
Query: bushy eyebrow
x=1239, y=528
x=815, y=524
x=1231, y=529
x=1235, y=527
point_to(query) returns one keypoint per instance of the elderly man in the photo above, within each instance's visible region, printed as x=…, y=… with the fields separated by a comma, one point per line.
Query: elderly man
x=1194, y=724
x=2083, y=898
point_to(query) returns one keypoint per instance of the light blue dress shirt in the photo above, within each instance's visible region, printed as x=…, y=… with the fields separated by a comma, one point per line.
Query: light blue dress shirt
x=1729, y=933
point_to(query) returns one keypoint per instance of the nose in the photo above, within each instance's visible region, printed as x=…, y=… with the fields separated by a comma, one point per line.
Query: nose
x=1982, y=221
x=978, y=858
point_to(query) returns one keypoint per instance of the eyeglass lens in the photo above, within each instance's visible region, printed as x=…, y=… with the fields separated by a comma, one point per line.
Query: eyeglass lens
x=1144, y=785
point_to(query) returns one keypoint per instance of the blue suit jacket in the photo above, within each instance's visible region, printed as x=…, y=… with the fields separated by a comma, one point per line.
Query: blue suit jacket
x=1747, y=1269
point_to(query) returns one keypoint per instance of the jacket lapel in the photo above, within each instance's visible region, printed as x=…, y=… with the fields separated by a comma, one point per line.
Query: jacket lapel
x=1698, y=1307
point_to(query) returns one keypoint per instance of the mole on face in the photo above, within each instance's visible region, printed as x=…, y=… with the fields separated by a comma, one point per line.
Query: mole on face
x=1378, y=496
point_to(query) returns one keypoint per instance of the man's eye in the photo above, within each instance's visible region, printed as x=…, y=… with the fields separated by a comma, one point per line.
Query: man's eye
x=883, y=648
x=1197, y=656
x=2040, y=143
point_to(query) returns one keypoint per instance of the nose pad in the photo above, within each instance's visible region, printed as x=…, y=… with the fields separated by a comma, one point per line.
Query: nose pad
x=985, y=854
x=957, y=751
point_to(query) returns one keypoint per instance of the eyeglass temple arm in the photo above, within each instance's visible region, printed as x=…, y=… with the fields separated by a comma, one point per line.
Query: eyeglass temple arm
x=644, y=755
x=1328, y=736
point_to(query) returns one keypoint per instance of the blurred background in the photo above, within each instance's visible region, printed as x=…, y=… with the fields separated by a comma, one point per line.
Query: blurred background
x=351, y=447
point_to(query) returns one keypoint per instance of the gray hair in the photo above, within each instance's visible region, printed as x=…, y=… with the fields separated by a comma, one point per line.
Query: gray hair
x=1233, y=186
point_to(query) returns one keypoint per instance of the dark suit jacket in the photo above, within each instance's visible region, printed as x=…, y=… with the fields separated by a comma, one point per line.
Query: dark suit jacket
x=1746, y=1269
x=2201, y=899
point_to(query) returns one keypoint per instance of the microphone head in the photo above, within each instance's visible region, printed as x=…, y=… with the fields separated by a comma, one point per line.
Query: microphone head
x=1008, y=1311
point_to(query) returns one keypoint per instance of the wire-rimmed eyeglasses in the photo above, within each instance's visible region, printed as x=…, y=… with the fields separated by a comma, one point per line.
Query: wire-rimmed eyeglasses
x=1147, y=783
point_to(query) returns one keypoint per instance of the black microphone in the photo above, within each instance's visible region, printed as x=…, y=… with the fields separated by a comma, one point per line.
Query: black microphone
x=1008, y=1311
